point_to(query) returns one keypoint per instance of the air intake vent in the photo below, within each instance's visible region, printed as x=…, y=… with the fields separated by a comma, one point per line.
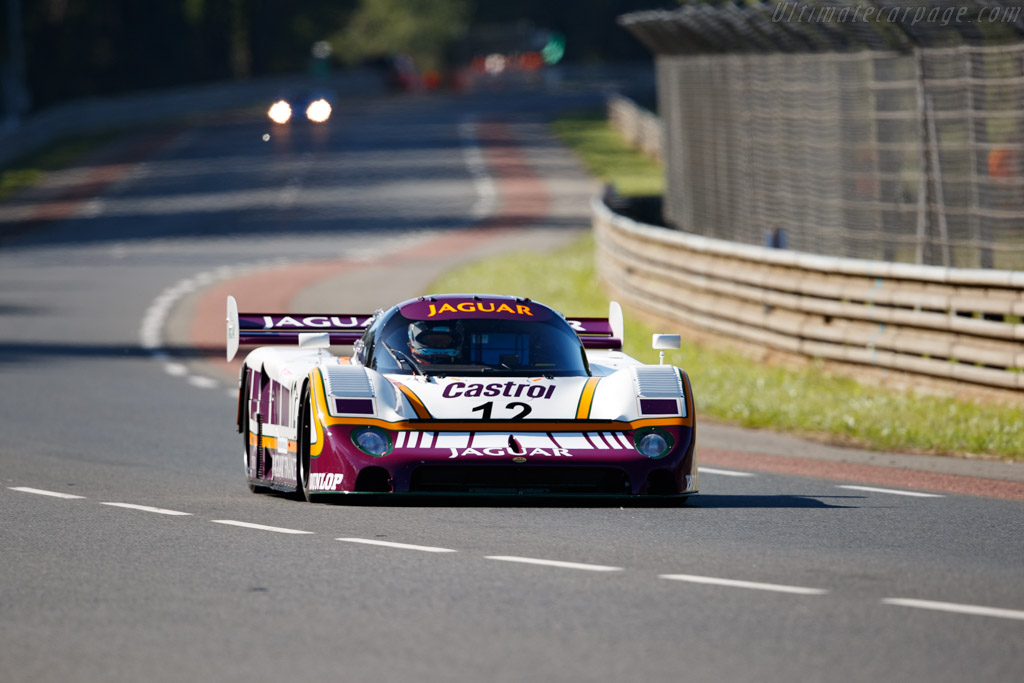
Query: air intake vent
x=657, y=380
x=347, y=381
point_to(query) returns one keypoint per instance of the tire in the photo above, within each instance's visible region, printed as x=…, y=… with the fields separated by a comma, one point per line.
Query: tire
x=244, y=389
x=302, y=457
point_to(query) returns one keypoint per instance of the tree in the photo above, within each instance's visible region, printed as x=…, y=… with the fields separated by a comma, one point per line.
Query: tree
x=422, y=29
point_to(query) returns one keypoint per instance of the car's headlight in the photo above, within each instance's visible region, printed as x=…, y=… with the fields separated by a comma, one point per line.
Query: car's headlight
x=318, y=111
x=652, y=442
x=372, y=441
x=280, y=112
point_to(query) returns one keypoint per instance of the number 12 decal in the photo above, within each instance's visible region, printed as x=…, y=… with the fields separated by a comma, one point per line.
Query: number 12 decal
x=485, y=409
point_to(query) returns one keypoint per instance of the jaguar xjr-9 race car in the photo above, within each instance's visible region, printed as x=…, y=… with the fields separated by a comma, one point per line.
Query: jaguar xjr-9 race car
x=459, y=394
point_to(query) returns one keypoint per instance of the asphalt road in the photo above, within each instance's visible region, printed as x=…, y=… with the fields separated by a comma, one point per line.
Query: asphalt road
x=133, y=551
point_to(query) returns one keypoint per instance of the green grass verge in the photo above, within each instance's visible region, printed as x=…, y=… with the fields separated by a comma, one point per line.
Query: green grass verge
x=608, y=157
x=29, y=170
x=730, y=387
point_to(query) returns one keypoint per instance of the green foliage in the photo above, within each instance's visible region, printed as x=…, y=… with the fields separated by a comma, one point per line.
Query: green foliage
x=31, y=169
x=609, y=158
x=422, y=29
x=86, y=48
x=731, y=387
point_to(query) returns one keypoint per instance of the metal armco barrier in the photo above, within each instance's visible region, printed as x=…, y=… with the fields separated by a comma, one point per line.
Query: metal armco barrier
x=959, y=325
x=639, y=127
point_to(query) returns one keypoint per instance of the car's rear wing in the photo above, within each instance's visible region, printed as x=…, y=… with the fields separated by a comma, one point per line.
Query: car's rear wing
x=264, y=329
x=601, y=333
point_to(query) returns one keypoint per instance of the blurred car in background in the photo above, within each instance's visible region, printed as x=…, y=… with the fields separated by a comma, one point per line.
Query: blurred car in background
x=314, y=106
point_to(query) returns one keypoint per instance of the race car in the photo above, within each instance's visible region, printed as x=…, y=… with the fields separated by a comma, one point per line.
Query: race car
x=457, y=394
x=313, y=106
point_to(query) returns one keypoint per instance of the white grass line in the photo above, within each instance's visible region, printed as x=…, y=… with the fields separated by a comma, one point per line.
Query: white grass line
x=753, y=585
x=727, y=473
x=41, y=492
x=400, y=546
x=555, y=563
x=871, y=489
x=249, y=525
x=977, y=610
x=146, y=508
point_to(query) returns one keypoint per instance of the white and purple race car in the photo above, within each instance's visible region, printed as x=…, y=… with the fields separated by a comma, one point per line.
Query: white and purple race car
x=459, y=394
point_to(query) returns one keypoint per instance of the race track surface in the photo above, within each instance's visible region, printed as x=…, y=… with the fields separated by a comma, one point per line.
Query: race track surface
x=133, y=551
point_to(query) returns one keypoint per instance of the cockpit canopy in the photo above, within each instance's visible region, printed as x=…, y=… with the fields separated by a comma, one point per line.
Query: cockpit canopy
x=467, y=335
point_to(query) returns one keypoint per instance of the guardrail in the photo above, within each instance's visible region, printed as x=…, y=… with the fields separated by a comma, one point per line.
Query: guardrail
x=959, y=326
x=638, y=127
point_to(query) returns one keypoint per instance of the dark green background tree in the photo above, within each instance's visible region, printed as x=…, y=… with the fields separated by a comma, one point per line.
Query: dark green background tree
x=80, y=48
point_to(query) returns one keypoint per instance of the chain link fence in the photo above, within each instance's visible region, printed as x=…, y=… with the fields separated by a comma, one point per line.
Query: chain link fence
x=865, y=130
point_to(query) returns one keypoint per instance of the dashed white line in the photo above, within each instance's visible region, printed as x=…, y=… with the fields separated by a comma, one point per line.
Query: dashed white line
x=555, y=563
x=146, y=508
x=914, y=494
x=486, y=192
x=249, y=525
x=203, y=382
x=41, y=492
x=401, y=546
x=753, y=585
x=175, y=369
x=727, y=473
x=957, y=607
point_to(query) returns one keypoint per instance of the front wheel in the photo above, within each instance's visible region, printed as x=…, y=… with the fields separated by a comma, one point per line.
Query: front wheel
x=302, y=457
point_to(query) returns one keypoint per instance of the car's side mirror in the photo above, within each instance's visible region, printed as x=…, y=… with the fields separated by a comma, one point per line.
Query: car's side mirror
x=665, y=341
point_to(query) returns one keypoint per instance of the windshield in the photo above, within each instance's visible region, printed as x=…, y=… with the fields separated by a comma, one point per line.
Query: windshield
x=464, y=346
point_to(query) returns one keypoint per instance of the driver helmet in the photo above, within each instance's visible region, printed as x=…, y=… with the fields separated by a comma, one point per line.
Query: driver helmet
x=435, y=341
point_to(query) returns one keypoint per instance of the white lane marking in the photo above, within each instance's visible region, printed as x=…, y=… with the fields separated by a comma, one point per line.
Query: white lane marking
x=40, y=492
x=155, y=318
x=483, y=183
x=203, y=382
x=555, y=563
x=402, y=546
x=732, y=583
x=915, y=494
x=727, y=473
x=957, y=607
x=146, y=508
x=175, y=369
x=249, y=525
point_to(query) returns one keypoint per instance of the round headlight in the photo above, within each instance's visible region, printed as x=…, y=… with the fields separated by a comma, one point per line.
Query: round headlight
x=318, y=111
x=652, y=443
x=280, y=112
x=372, y=441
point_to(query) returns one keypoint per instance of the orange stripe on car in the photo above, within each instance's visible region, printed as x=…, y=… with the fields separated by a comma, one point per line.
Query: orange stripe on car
x=559, y=426
x=320, y=414
x=417, y=404
x=587, y=398
x=270, y=443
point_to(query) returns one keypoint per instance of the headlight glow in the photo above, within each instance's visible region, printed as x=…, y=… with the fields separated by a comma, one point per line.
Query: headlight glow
x=652, y=442
x=280, y=112
x=372, y=441
x=318, y=111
